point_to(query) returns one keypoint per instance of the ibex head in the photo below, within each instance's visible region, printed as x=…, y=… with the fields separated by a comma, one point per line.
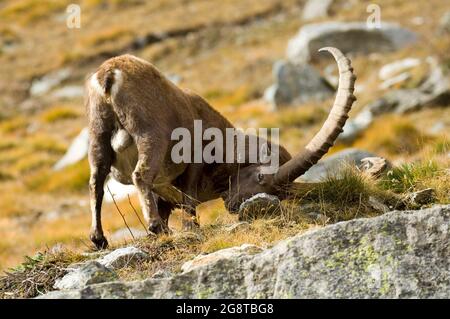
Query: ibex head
x=251, y=180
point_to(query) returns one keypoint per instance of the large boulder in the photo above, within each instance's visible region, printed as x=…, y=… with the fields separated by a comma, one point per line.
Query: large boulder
x=354, y=37
x=396, y=255
x=77, y=150
x=315, y=9
x=296, y=84
x=332, y=164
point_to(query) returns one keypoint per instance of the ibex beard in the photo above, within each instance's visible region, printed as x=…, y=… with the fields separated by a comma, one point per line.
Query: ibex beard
x=133, y=111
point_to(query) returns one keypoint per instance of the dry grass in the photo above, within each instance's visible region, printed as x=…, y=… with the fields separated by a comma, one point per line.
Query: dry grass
x=59, y=113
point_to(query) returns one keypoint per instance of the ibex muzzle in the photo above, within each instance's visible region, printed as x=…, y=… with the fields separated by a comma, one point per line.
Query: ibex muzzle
x=133, y=109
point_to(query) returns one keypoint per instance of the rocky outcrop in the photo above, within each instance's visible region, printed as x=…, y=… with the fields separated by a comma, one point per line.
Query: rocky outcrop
x=354, y=37
x=396, y=255
x=296, y=84
x=434, y=91
x=331, y=164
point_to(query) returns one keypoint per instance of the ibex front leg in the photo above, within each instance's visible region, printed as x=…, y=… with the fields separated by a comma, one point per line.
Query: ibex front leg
x=151, y=156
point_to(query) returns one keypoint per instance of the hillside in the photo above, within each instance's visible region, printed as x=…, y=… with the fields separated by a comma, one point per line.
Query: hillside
x=225, y=51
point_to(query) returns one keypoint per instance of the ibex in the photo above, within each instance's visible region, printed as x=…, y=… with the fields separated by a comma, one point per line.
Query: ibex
x=132, y=110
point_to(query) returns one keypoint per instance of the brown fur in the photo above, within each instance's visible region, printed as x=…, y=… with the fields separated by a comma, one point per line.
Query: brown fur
x=132, y=111
x=149, y=107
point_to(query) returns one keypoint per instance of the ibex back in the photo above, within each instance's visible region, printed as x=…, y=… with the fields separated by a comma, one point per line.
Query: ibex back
x=132, y=112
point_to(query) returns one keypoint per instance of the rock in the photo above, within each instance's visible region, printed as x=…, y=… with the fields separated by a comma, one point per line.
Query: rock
x=390, y=70
x=77, y=151
x=374, y=166
x=354, y=127
x=349, y=37
x=260, y=205
x=43, y=85
x=123, y=257
x=421, y=197
x=296, y=84
x=435, y=91
x=69, y=92
x=83, y=275
x=332, y=164
x=377, y=205
x=438, y=127
x=237, y=227
x=444, y=23
x=395, y=255
x=402, y=77
x=162, y=274
x=123, y=234
x=220, y=255
x=314, y=9
x=119, y=191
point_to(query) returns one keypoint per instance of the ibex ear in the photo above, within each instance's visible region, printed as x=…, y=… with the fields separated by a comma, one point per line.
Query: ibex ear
x=260, y=177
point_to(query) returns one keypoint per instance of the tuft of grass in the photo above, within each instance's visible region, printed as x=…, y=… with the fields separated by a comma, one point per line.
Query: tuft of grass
x=408, y=177
x=36, y=275
x=59, y=113
x=399, y=137
x=27, y=11
x=43, y=143
x=106, y=36
x=303, y=116
x=73, y=178
x=342, y=196
x=13, y=125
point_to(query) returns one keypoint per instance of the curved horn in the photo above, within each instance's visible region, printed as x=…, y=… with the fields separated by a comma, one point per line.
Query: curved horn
x=324, y=139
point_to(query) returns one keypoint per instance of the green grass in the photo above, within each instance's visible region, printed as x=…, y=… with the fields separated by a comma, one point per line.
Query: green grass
x=59, y=113
x=73, y=178
x=408, y=177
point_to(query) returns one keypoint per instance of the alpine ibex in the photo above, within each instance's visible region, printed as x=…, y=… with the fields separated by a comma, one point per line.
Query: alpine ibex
x=132, y=111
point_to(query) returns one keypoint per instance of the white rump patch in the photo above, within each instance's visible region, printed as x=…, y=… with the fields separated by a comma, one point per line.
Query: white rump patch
x=95, y=84
x=118, y=80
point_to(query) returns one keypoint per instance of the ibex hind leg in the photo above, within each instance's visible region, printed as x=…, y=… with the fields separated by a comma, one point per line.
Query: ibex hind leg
x=150, y=159
x=100, y=158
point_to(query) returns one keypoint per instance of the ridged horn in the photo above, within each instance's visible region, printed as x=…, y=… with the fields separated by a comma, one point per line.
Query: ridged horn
x=333, y=126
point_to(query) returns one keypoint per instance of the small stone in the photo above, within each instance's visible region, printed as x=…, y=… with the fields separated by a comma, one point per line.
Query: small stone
x=80, y=276
x=377, y=205
x=123, y=257
x=237, y=227
x=259, y=205
x=373, y=166
x=421, y=197
x=160, y=274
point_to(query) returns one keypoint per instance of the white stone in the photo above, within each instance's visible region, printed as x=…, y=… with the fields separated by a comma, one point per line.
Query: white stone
x=77, y=151
x=391, y=69
x=122, y=257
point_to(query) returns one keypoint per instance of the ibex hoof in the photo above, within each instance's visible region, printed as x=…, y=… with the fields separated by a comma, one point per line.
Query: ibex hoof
x=157, y=227
x=190, y=224
x=99, y=241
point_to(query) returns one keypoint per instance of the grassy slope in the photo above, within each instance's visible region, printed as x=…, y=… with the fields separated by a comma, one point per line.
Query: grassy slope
x=230, y=65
